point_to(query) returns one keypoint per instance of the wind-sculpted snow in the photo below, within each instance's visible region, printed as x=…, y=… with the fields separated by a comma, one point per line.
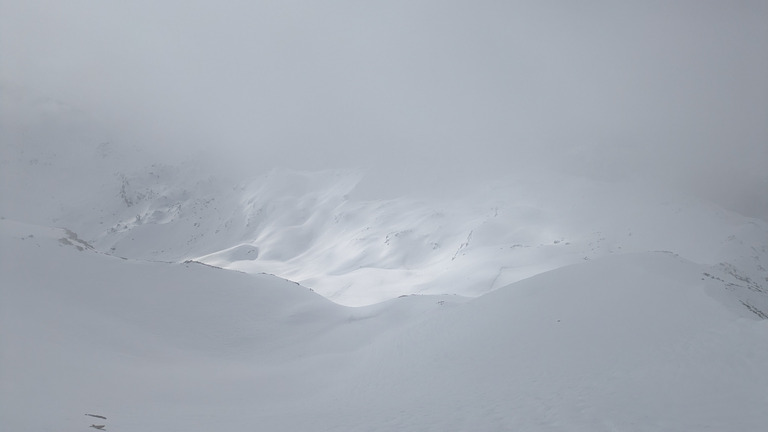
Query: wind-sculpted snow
x=313, y=229
x=305, y=227
x=646, y=341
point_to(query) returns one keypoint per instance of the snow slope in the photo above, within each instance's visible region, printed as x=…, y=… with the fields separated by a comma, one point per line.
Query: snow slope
x=646, y=341
x=322, y=230
x=631, y=342
x=315, y=229
x=306, y=228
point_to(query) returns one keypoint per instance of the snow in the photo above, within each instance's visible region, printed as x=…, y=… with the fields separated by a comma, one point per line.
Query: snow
x=170, y=296
x=641, y=341
x=313, y=227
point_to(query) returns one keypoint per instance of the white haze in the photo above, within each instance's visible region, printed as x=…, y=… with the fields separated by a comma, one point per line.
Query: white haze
x=420, y=94
x=522, y=253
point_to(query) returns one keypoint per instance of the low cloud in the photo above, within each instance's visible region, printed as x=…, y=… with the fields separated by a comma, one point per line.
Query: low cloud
x=419, y=93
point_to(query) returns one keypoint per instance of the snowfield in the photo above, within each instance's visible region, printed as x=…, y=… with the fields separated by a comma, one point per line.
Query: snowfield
x=166, y=298
x=641, y=341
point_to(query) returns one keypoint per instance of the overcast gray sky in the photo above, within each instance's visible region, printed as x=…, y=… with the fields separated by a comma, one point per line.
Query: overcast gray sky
x=419, y=90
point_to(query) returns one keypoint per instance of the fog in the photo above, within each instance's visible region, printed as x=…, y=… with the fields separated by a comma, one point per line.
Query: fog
x=423, y=94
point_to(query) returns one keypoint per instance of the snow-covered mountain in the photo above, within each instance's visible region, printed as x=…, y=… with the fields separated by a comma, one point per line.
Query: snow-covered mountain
x=313, y=228
x=137, y=291
x=639, y=341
